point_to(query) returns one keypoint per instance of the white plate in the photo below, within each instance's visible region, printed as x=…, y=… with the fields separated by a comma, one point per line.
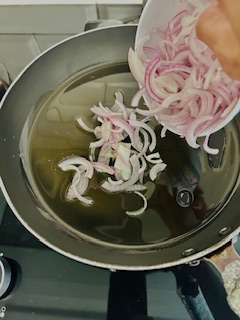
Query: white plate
x=157, y=13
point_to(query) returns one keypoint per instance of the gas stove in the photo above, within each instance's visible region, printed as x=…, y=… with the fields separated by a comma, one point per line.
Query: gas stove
x=45, y=285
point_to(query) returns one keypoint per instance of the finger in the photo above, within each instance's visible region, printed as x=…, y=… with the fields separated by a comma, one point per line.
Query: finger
x=208, y=23
x=232, y=11
x=214, y=29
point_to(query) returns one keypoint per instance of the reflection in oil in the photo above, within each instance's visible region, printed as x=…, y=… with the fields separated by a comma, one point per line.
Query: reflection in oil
x=183, y=170
x=183, y=197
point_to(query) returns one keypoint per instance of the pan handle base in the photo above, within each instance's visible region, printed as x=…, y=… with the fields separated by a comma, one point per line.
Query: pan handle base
x=228, y=264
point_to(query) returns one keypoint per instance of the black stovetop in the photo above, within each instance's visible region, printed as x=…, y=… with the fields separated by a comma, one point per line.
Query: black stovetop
x=46, y=285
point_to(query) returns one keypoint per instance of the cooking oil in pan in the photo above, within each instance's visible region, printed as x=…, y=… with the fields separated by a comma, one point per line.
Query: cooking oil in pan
x=55, y=136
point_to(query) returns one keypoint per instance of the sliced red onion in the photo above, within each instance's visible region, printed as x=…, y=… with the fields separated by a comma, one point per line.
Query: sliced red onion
x=207, y=101
x=102, y=167
x=191, y=136
x=118, y=122
x=207, y=148
x=122, y=161
x=118, y=98
x=132, y=180
x=141, y=210
x=83, y=199
x=154, y=171
x=136, y=66
x=84, y=126
x=176, y=20
x=77, y=161
x=174, y=97
x=119, y=106
x=136, y=187
x=222, y=122
x=140, y=48
x=154, y=158
x=163, y=132
x=115, y=182
x=97, y=144
x=230, y=108
x=143, y=165
x=146, y=142
x=137, y=97
x=75, y=181
x=104, y=113
x=166, y=49
x=150, y=76
x=164, y=86
x=106, y=130
x=79, y=186
x=98, y=131
x=105, y=153
x=209, y=76
x=145, y=126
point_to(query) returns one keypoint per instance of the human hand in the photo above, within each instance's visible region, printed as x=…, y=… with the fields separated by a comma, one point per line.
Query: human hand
x=219, y=27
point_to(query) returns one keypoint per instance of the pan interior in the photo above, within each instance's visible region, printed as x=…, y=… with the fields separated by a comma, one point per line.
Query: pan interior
x=55, y=135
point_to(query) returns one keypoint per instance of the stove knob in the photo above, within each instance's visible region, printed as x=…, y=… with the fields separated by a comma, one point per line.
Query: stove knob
x=5, y=276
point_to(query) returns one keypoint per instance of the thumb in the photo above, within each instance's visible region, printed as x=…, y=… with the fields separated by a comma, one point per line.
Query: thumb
x=216, y=30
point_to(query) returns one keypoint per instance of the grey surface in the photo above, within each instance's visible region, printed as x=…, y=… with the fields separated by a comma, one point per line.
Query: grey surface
x=163, y=301
x=55, y=287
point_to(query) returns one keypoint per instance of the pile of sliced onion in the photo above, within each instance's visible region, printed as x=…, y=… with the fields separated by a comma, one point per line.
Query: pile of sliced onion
x=182, y=82
x=123, y=151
